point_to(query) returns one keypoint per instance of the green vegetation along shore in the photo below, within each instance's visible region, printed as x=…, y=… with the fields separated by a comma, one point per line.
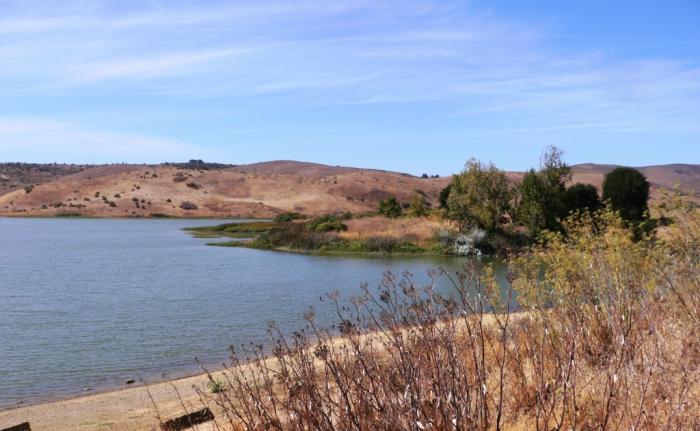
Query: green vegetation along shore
x=292, y=233
x=481, y=211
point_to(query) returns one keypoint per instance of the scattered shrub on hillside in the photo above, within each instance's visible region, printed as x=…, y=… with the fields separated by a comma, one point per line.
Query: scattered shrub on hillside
x=187, y=205
x=179, y=177
x=390, y=207
x=193, y=185
x=28, y=189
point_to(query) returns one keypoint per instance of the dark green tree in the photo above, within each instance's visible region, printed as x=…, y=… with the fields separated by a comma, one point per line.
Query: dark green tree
x=390, y=207
x=542, y=192
x=580, y=197
x=444, y=194
x=627, y=191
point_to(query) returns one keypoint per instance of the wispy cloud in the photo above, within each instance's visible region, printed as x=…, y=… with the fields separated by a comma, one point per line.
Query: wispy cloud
x=443, y=58
x=49, y=140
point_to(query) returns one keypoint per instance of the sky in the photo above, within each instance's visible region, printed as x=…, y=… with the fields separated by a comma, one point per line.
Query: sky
x=414, y=86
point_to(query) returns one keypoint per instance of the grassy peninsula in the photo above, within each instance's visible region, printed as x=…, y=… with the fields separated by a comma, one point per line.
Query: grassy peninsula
x=347, y=233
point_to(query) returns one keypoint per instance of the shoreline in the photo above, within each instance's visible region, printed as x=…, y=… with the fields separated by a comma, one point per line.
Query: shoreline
x=126, y=408
x=175, y=375
x=132, y=408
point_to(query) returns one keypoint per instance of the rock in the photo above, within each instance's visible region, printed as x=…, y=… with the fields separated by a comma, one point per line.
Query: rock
x=130, y=381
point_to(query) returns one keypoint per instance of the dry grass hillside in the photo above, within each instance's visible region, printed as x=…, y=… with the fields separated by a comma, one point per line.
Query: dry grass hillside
x=255, y=190
x=14, y=176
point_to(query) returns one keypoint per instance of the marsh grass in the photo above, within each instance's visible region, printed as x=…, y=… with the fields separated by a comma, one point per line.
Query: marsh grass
x=606, y=337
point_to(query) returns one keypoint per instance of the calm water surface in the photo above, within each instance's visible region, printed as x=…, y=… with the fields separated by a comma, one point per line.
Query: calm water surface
x=89, y=303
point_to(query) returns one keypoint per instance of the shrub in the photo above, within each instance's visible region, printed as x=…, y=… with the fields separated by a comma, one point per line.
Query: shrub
x=287, y=217
x=193, y=185
x=187, y=205
x=418, y=205
x=327, y=223
x=390, y=207
x=581, y=197
x=217, y=386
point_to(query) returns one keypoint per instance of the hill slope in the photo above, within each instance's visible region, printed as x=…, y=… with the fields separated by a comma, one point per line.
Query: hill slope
x=14, y=176
x=255, y=190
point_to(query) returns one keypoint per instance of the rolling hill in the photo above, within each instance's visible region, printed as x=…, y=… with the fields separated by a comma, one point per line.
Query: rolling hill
x=254, y=190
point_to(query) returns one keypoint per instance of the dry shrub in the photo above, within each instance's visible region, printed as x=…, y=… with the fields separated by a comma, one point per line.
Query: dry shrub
x=605, y=337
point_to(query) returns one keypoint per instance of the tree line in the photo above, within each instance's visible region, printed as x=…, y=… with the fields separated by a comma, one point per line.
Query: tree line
x=482, y=196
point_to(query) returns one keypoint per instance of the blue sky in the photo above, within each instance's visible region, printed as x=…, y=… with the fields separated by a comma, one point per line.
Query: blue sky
x=414, y=86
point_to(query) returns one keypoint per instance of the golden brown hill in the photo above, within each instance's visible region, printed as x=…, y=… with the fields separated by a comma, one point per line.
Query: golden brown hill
x=256, y=190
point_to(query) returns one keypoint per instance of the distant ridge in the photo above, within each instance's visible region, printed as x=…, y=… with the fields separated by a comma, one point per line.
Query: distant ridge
x=200, y=189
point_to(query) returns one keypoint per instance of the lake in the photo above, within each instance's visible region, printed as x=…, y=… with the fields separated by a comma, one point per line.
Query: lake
x=90, y=303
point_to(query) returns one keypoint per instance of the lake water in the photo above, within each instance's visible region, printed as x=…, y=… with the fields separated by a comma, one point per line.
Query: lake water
x=90, y=303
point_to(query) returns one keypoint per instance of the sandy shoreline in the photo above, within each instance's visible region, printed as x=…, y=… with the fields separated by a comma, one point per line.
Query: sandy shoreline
x=120, y=409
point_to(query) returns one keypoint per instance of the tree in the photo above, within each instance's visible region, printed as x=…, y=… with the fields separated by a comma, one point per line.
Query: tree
x=390, y=207
x=542, y=193
x=627, y=191
x=419, y=207
x=580, y=197
x=444, y=194
x=480, y=196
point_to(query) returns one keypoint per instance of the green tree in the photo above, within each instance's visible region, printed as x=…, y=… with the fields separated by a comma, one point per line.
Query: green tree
x=480, y=196
x=542, y=192
x=627, y=191
x=390, y=207
x=581, y=197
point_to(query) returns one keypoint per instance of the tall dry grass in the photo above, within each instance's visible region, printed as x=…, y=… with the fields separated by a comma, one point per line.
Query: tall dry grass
x=606, y=337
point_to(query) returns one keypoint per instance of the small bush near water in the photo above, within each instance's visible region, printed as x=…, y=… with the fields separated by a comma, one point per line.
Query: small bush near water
x=606, y=337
